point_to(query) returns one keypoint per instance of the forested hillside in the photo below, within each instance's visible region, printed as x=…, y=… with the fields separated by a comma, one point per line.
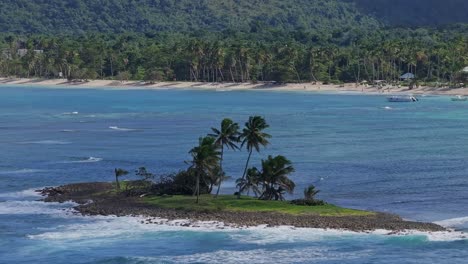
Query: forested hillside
x=78, y=16
x=416, y=12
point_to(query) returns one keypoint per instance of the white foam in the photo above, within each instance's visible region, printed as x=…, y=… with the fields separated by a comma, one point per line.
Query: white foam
x=20, y=171
x=387, y=108
x=453, y=222
x=71, y=113
x=47, y=142
x=260, y=256
x=85, y=160
x=110, y=226
x=29, y=193
x=121, y=129
x=34, y=207
x=68, y=131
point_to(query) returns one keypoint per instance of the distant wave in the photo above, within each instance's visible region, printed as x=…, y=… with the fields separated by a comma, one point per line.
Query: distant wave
x=47, y=142
x=20, y=171
x=85, y=160
x=33, y=207
x=70, y=113
x=29, y=193
x=453, y=222
x=68, y=131
x=387, y=108
x=122, y=129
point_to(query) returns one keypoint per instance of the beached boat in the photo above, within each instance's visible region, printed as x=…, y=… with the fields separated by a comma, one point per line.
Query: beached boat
x=459, y=98
x=402, y=98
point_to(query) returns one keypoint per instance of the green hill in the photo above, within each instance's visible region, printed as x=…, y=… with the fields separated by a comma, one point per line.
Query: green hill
x=76, y=16
x=416, y=12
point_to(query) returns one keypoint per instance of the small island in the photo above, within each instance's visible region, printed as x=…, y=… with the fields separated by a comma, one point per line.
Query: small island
x=194, y=194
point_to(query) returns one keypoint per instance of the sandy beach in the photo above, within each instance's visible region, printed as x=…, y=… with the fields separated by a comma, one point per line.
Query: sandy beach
x=302, y=87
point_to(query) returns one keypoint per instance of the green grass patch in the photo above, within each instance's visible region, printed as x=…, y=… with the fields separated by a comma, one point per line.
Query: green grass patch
x=248, y=204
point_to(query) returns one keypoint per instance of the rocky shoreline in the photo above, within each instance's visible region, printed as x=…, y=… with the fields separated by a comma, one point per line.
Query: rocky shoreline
x=93, y=199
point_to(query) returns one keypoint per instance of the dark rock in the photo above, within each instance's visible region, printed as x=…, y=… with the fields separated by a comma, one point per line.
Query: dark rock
x=105, y=204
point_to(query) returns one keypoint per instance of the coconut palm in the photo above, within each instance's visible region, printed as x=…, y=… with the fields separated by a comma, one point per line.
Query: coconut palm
x=251, y=182
x=310, y=192
x=205, y=158
x=227, y=136
x=253, y=137
x=274, y=178
x=119, y=173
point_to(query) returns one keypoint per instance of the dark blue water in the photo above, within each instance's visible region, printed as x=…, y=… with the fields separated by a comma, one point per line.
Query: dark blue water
x=360, y=151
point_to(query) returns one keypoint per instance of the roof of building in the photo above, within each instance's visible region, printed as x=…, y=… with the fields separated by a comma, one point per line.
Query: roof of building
x=407, y=75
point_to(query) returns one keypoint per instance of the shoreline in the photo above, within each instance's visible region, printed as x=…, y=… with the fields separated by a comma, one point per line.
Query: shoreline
x=96, y=199
x=224, y=87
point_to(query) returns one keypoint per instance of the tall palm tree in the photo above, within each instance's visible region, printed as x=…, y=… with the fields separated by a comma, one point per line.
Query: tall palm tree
x=119, y=173
x=205, y=158
x=274, y=177
x=251, y=182
x=253, y=137
x=227, y=135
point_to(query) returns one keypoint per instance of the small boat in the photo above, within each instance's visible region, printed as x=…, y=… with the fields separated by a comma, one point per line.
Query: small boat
x=459, y=98
x=402, y=98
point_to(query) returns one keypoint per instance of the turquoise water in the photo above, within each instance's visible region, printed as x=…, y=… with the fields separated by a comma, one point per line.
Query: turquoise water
x=360, y=151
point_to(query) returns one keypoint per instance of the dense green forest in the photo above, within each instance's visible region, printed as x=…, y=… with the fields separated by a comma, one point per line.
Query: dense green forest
x=79, y=16
x=431, y=55
x=416, y=12
x=233, y=40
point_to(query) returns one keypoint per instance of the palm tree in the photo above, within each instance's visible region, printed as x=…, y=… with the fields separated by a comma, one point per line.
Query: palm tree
x=227, y=136
x=310, y=192
x=205, y=159
x=274, y=177
x=251, y=182
x=119, y=173
x=253, y=137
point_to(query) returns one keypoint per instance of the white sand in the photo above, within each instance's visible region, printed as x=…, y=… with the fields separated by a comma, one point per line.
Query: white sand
x=349, y=87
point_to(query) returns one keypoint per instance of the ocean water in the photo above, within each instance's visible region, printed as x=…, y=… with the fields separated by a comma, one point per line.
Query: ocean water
x=359, y=150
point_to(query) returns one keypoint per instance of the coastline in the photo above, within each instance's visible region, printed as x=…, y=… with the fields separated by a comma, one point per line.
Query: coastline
x=222, y=87
x=96, y=199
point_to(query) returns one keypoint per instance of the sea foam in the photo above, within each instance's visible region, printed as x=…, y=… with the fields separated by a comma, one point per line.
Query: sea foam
x=100, y=227
x=122, y=129
x=47, y=142
x=34, y=208
x=20, y=171
x=85, y=160
x=454, y=222
x=29, y=193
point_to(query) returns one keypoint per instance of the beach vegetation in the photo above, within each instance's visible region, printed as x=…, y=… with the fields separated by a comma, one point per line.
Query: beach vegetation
x=274, y=178
x=309, y=197
x=119, y=173
x=253, y=137
x=205, y=159
x=246, y=204
x=227, y=136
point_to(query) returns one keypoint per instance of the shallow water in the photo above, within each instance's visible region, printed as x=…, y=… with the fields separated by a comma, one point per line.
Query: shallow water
x=360, y=151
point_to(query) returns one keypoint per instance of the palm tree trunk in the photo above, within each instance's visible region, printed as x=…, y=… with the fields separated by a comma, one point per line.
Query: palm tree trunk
x=245, y=171
x=197, y=188
x=221, y=171
x=117, y=183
